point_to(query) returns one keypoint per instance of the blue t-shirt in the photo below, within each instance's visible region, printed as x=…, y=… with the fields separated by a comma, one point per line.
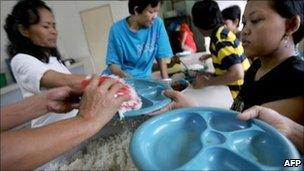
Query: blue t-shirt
x=135, y=52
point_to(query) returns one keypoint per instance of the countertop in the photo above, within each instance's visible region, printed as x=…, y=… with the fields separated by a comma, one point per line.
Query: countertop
x=210, y=96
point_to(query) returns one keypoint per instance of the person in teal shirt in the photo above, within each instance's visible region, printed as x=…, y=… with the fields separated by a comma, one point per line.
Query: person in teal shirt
x=137, y=40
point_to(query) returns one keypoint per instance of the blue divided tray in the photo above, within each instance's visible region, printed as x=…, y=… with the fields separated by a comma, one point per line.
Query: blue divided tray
x=151, y=95
x=208, y=139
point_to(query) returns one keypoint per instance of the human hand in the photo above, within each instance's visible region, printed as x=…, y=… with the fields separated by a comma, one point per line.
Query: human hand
x=62, y=99
x=204, y=57
x=75, y=81
x=200, y=81
x=99, y=102
x=269, y=116
x=178, y=101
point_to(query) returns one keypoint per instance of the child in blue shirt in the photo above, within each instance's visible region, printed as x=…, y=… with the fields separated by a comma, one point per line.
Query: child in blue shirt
x=136, y=41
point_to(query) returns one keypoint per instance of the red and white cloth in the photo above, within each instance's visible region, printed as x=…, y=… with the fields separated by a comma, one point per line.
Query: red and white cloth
x=134, y=103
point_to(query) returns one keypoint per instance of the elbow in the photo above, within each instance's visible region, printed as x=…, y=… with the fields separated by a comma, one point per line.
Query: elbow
x=237, y=74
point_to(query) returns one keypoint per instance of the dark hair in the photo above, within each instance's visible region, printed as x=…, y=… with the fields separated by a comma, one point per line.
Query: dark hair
x=289, y=9
x=141, y=5
x=206, y=14
x=25, y=13
x=232, y=13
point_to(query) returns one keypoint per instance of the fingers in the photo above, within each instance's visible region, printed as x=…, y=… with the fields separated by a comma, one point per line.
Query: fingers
x=114, y=88
x=75, y=105
x=198, y=82
x=107, y=84
x=203, y=58
x=93, y=83
x=174, y=95
x=162, y=110
x=250, y=113
x=195, y=84
x=124, y=98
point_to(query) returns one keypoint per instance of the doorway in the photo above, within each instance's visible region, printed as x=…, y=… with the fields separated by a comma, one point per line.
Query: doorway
x=96, y=23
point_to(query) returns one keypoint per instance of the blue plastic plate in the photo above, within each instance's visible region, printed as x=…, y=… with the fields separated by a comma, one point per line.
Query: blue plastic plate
x=151, y=95
x=209, y=139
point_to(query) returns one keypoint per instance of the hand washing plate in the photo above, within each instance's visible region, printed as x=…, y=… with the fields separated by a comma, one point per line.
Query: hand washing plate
x=208, y=139
x=151, y=95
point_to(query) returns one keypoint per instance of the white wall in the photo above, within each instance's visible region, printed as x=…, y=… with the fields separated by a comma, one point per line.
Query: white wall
x=241, y=4
x=71, y=40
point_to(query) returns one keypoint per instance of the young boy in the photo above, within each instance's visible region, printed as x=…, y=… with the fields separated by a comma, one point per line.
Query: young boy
x=232, y=19
x=137, y=40
x=226, y=50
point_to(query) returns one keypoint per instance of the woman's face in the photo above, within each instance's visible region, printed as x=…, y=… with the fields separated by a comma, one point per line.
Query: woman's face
x=263, y=29
x=148, y=15
x=44, y=33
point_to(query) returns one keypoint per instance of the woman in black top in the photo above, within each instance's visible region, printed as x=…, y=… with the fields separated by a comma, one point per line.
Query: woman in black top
x=276, y=79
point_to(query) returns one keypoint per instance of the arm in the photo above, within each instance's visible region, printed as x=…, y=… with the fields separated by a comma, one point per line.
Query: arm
x=113, y=58
x=117, y=71
x=11, y=117
x=28, y=149
x=51, y=79
x=184, y=40
x=289, y=128
x=205, y=57
x=163, y=49
x=33, y=78
x=163, y=67
x=60, y=100
x=284, y=107
x=234, y=73
x=178, y=101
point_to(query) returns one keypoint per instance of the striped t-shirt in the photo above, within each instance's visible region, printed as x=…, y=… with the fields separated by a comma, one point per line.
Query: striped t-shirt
x=226, y=50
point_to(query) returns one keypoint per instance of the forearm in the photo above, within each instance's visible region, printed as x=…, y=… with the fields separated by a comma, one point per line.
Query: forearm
x=28, y=149
x=184, y=40
x=296, y=135
x=23, y=111
x=224, y=79
x=117, y=71
x=163, y=68
x=53, y=79
x=227, y=78
x=283, y=107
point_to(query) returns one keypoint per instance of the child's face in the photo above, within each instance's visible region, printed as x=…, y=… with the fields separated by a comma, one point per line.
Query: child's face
x=231, y=25
x=149, y=14
x=263, y=29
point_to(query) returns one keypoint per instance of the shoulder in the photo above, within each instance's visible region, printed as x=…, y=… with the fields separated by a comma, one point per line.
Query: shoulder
x=295, y=64
x=223, y=34
x=158, y=22
x=298, y=62
x=23, y=58
x=54, y=59
x=119, y=24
